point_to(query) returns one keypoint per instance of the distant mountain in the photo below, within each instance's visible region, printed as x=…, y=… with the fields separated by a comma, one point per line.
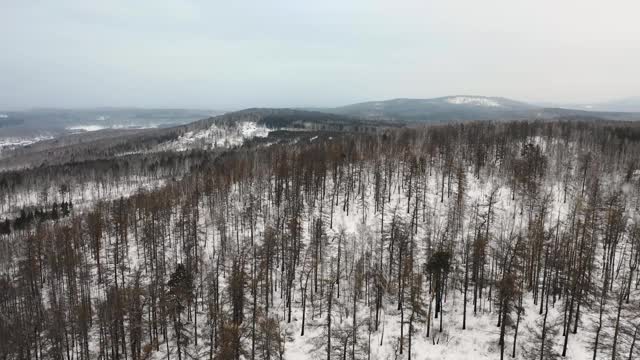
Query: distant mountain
x=631, y=104
x=467, y=108
x=449, y=108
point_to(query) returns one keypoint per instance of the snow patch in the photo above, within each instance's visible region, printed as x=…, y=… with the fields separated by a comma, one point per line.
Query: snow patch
x=469, y=100
x=86, y=128
x=217, y=137
x=251, y=129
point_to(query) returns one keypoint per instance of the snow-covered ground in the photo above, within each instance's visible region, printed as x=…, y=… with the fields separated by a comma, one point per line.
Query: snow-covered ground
x=478, y=341
x=480, y=338
x=83, y=196
x=361, y=226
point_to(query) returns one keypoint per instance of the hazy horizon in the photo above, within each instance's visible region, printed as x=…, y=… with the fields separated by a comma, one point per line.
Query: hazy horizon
x=547, y=104
x=227, y=56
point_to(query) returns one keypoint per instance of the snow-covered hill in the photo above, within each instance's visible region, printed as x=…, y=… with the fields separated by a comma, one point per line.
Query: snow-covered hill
x=217, y=136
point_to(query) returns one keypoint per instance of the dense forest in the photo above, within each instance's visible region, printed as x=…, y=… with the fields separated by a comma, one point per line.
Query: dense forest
x=481, y=240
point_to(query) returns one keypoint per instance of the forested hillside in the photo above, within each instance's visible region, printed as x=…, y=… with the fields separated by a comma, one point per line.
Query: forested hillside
x=462, y=241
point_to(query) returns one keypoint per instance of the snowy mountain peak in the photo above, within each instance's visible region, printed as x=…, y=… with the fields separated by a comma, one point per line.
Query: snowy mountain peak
x=473, y=100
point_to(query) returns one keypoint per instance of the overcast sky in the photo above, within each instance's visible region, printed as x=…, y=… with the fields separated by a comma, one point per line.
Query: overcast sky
x=235, y=53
